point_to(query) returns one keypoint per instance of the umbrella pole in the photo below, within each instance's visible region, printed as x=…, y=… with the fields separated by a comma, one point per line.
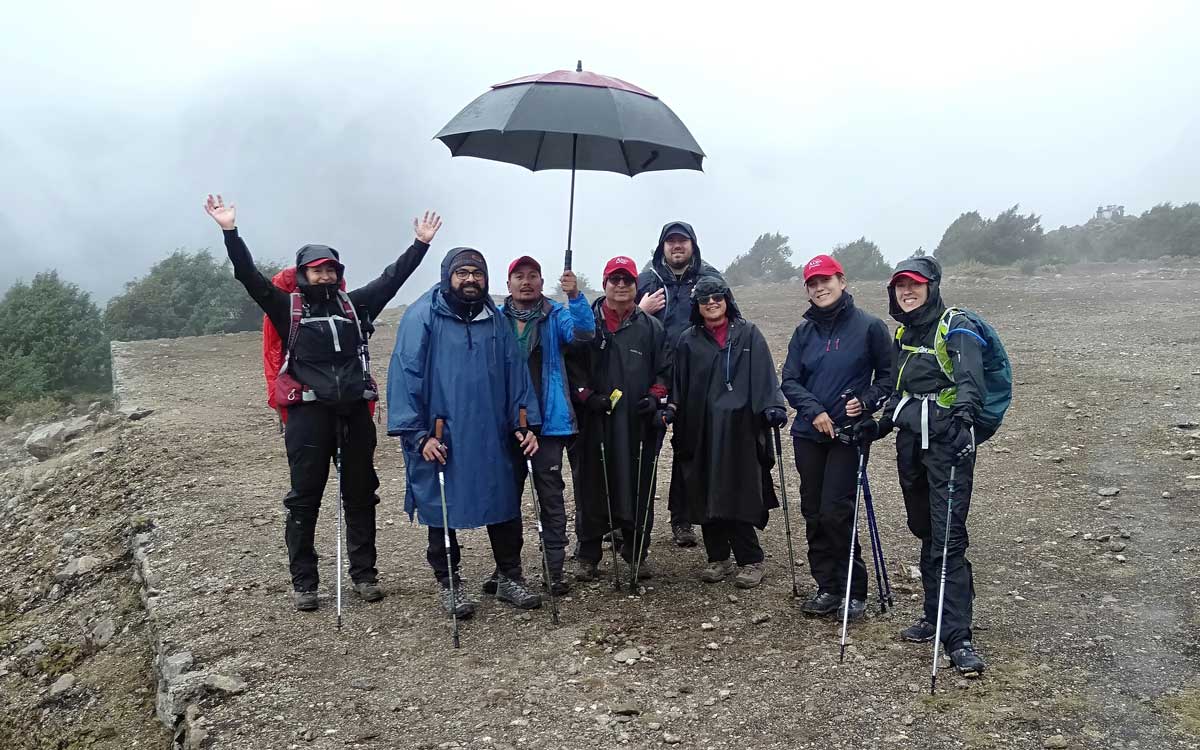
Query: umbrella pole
x=571, y=215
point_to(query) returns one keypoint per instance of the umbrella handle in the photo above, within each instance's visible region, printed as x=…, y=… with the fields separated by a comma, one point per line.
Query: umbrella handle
x=571, y=215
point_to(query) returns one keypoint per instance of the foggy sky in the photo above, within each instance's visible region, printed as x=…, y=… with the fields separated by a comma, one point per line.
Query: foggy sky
x=824, y=124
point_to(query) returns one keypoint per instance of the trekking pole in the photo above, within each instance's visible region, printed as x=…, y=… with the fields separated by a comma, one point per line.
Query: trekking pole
x=850, y=564
x=787, y=523
x=937, y=631
x=338, y=461
x=881, y=573
x=439, y=423
x=637, y=549
x=537, y=506
x=608, y=502
x=645, y=518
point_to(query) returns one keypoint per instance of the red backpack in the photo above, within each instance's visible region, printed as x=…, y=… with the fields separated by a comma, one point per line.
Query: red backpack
x=275, y=354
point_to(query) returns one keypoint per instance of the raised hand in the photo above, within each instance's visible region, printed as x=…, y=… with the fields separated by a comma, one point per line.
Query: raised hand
x=569, y=284
x=427, y=227
x=652, y=303
x=225, y=216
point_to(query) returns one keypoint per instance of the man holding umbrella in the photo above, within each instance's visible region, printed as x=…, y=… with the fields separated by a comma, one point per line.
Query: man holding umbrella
x=621, y=379
x=543, y=328
x=456, y=362
x=665, y=291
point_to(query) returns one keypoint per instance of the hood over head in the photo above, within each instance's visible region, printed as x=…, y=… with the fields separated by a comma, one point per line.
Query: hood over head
x=658, y=261
x=455, y=259
x=310, y=254
x=709, y=285
x=933, y=308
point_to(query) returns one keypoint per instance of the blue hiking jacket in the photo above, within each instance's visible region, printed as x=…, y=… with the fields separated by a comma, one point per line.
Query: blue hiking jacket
x=559, y=326
x=852, y=350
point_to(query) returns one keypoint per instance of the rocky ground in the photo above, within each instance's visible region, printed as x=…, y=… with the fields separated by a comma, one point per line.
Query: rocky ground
x=147, y=583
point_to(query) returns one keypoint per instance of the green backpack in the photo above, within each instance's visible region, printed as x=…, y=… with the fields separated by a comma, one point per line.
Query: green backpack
x=997, y=369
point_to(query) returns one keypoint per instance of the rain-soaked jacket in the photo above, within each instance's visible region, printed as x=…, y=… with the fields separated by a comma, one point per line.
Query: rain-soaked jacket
x=471, y=374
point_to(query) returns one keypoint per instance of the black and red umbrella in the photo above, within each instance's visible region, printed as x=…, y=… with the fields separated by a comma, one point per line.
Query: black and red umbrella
x=573, y=120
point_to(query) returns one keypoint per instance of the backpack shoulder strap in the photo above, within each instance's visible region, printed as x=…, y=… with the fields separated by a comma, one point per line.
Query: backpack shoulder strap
x=293, y=329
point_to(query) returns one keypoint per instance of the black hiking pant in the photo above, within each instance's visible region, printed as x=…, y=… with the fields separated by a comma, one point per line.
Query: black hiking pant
x=592, y=549
x=506, y=539
x=548, y=483
x=311, y=438
x=722, y=536
x=677, y=504
x=924, y=480
x=828, y=487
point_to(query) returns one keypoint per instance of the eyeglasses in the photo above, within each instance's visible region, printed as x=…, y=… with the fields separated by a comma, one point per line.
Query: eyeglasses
x=708, y=299
x=621, y=280
x=463, y=274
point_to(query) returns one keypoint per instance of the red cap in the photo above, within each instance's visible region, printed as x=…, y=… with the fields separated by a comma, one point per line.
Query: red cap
x=621, y=264
x=908, y=275
x=320, y=262
x=524, y=260
x=822, y=265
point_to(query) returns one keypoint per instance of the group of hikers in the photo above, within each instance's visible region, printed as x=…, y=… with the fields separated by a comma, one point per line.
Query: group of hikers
x=484, y=397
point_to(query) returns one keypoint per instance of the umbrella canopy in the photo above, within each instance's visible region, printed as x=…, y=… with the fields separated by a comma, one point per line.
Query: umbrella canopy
x=573, y=120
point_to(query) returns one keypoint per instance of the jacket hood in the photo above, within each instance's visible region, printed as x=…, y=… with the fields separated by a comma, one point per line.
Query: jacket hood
x=659, y=262
x=305, y=256
x=713, y=285
x=286, y=280
x=933, y=307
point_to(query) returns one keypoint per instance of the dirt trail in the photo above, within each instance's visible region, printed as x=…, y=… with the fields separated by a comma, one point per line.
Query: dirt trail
x=1083, y=643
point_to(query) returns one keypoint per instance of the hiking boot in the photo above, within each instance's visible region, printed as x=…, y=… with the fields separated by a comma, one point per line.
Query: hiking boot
x=858, y=609
x=683, y=535
x=645, y=571
x=822, y=603
x=749, y=576
x=718, y=571
x=489, y=586
x=587, y=570
x=559, y=585
x=462, y=605
x=306, y=601
x=919, y=632
x=966, y=661
x=368, y=591
x=517, y=593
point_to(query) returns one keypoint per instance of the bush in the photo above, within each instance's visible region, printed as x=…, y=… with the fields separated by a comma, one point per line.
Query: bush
x=185, y=294
x=765, y=261
x=862, y=259
x=52, y=342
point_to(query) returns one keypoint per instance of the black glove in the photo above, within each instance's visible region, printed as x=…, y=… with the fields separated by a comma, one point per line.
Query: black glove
x=866, y=431
x=775, y=416
x=598, y=403
x=647, y=405
x=961, y=439
x=884, y=427
x=664, y=417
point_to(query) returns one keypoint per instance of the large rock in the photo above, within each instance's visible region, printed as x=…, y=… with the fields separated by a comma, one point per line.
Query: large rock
x=47, y=441
x=77, y=566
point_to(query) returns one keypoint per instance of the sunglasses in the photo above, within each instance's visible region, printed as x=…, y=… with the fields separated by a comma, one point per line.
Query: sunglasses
x=620, y=279
x=708, y=299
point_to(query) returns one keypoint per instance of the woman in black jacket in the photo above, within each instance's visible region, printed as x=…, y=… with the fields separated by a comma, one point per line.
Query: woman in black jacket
x=839, y=369
x=324, y=357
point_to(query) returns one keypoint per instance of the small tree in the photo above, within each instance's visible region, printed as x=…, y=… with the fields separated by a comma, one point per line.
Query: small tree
x=862, y=259
x=585, y=286
x=52, y=340
x=765, y=261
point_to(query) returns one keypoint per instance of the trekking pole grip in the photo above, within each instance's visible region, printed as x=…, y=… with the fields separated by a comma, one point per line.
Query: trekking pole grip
x=521, y=418
x=438, y=425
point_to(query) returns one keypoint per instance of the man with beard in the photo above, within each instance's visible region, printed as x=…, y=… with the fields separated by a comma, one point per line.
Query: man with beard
x=456, y=360
x=543, y=328
x=934, y=415
x=728, y=399
x=665, y=291
x=327, y=406
x=628, y=354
